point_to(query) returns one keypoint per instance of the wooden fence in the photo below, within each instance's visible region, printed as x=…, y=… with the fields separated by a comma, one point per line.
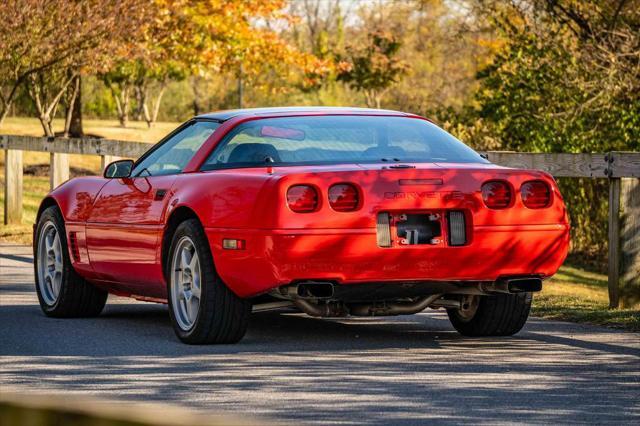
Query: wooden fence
x=622, y=169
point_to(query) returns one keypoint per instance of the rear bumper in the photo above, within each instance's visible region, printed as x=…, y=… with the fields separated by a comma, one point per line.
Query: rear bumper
x=273, y=258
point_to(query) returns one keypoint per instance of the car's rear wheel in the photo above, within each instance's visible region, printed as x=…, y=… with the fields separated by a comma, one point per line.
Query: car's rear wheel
x=202, y=308
x=61, y=291
x=495, y=315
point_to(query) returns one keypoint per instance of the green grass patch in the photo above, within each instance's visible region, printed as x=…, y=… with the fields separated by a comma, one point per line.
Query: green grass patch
x=578, y=295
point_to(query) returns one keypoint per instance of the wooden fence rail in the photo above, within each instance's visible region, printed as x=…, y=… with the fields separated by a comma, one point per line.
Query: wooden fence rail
x=622, y=169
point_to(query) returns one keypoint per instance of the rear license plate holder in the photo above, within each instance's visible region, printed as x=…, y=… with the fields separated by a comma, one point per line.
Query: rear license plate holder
x=423, y=228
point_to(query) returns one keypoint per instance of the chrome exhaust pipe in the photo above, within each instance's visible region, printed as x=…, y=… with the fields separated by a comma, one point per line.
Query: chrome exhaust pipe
x=514, y=285
x=524, y=285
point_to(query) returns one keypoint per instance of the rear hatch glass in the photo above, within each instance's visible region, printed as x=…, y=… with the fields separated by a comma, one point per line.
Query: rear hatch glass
x=289, y=141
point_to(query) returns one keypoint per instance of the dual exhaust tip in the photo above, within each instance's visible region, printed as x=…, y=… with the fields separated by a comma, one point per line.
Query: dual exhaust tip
x=307, y=295
x=322, y=290
x=516, y=285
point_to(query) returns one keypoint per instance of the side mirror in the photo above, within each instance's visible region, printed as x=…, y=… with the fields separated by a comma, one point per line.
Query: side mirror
x=118, y=169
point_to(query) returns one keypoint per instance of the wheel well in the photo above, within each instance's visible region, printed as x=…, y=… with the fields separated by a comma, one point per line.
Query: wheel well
x=178, y=216
x=45, y=204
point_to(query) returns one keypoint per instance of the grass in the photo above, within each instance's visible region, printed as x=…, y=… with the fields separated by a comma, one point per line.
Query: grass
x=574, y=294
x=577, y=295
x=135, y=131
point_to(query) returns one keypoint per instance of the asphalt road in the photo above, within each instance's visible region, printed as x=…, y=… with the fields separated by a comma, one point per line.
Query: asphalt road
x=289, y=367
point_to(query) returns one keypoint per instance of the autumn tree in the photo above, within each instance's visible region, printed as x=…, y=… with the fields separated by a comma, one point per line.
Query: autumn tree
x=47, y=44
x=201, y=38
x=374, y=68
x=31, y=42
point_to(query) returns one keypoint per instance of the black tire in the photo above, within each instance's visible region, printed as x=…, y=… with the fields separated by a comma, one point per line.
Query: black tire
x=495, y=315
x=222, y=317
x=76, y=296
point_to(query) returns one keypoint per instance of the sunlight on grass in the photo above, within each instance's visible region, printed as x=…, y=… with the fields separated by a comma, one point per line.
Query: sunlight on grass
x=577, y=295
x=110, y=129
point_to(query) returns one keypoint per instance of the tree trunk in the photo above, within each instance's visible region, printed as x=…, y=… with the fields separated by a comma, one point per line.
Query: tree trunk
x=122, y=104
x=141, y=100
x=75, y=128
x=7, y=101
x=124, y=115
x=71, y=102
x=196, y=96
x=153, y=117
x=4, y=112
x=45, y=106
x=156, y=106
x=369, y=98
x=47, y=125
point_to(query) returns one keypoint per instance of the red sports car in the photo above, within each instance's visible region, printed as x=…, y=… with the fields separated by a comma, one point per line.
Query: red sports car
x=331, y=211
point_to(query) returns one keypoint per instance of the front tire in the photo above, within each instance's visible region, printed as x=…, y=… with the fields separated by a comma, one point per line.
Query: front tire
x=495, y=315
x=202, y=308
x=62, y=293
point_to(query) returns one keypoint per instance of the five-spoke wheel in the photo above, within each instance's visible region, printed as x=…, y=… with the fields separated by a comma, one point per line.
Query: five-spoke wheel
x=61, y=291
x=49, y=263
x=186, y=283
x=201, y=306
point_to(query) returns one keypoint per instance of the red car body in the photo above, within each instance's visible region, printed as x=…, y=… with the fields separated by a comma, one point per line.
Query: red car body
x=116, y=228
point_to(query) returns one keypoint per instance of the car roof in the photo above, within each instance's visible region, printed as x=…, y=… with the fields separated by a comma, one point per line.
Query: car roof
x=275, y=111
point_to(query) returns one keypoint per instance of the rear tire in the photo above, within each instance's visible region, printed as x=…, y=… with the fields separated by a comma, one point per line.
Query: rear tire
x=202, y=308
x=62, y=293
x=495, y=315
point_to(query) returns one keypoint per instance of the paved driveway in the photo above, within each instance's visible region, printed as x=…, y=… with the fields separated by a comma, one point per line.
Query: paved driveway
x=402, y=370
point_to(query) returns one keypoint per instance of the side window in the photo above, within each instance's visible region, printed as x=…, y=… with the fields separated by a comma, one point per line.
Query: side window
x=174, y=154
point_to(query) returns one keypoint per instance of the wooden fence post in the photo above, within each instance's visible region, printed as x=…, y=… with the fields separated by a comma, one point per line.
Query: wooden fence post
x=105, y=160
x=59, y=171
x=630, y=243
x=614, y=241
x=12, y=186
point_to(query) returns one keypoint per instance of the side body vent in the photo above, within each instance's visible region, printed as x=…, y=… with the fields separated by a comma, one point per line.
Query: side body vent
x=457, y=229
x=73, y=245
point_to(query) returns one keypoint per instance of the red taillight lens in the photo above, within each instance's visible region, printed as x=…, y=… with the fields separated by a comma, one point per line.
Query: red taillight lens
x=344, y=197
x=302, y=198
x=496, y=194
x=536, y=194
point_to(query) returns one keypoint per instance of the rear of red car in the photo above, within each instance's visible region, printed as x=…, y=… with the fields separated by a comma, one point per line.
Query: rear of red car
x=392, y=223
x=371, y=199
x=380, y=215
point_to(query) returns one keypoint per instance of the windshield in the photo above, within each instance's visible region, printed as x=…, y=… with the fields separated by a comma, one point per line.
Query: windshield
x=335, y=140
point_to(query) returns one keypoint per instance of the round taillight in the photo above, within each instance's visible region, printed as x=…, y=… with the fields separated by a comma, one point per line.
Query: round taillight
x=344, y=197
x=496, y=194
x=302, y=198
x=536, y=194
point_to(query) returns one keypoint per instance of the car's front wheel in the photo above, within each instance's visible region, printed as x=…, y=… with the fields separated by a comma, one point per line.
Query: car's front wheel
x=61, y=291
x=202, y=308
x=494, y=315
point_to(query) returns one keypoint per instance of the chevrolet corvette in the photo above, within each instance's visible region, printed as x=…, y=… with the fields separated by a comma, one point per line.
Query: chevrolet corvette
x=333, y=212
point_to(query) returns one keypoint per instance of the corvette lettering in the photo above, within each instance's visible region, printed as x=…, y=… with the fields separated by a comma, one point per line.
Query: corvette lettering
x=415, y=195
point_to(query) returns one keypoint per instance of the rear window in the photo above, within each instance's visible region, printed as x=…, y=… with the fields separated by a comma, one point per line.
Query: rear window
x=335, y=140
